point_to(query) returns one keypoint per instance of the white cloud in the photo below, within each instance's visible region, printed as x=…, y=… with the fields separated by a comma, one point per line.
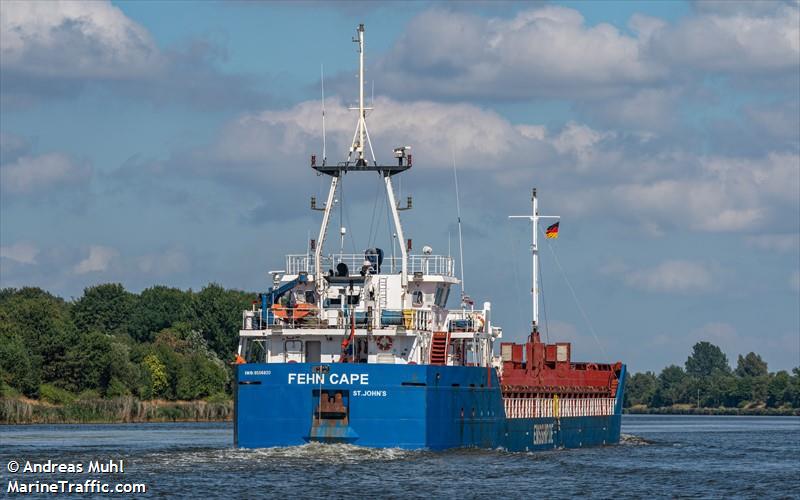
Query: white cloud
x=672, y=276
x=169, y=262
x=632, y=175
x=74, y=39
x=715, y=332
x=550, y=51
x=33, y=174
x=646, y=109
x=98, y=260
x=544, y=51
x=733, y=40
x=724, y=194
x=782, y=243
x=21, y=252
x=779, y=121
x=12, y=147
x=52, y=50
x=432, y=129
x=579, y=140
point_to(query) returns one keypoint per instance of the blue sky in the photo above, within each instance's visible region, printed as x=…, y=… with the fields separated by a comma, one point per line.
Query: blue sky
x=167, y=143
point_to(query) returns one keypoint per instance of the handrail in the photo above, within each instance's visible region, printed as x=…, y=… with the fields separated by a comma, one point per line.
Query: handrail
x=427, y=264
x=303, y=317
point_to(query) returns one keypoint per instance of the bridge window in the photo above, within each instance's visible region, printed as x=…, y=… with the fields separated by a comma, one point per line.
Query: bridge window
x=442, y=293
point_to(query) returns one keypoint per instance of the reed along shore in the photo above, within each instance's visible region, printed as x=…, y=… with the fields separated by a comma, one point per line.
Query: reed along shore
x=125, y=409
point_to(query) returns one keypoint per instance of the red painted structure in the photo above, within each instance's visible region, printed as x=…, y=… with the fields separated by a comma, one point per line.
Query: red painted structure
x=539, y=370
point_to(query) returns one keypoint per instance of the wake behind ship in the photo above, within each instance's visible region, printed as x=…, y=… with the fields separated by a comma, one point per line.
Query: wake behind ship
x=362, y=349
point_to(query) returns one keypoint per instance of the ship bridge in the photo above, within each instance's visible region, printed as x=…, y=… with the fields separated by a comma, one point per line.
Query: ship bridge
x=363, y=301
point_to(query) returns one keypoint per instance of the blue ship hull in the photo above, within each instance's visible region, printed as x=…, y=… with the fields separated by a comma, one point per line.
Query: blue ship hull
x=402, y=406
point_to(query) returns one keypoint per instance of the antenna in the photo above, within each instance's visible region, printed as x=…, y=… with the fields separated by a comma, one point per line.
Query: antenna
x=460, y=239
x=324, y=146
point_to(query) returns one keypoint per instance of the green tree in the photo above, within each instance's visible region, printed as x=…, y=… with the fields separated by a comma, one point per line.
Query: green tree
x=719, y=389
x=743, y=390
x=99, y=361
x=759, y=389
x=104, y=308
x=193, y=369
x=199, y=377
x=751, y=365
x=218, y=317
x=159, y=384
x=640, y=389
x=157, y=308
x=122, y=376
x=18, y=369
x=43, y=324
x=779, y=390
x=794, y=388
x=672, y=387
x=705, y=358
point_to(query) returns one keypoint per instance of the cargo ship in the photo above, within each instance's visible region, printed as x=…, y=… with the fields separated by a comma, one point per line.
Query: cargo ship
x=363, y=349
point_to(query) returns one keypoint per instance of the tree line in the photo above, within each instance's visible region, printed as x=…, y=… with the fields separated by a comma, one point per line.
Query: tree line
x=162, y=343
x=167, y=343
x=707, y=381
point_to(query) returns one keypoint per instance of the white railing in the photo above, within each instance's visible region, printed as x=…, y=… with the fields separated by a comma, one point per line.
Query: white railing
x=461, y=320
x=333, y=317
x=549, y=407
x=425, y=264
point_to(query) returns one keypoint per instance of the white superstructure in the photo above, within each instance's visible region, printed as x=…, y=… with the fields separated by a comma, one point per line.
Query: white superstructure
x=364, y=308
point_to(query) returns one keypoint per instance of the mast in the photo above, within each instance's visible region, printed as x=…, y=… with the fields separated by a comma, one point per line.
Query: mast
x=535, y=258
x=322, y=83
x=360, y=164
x=361, y=112
x=534, y=218
x=361, y=127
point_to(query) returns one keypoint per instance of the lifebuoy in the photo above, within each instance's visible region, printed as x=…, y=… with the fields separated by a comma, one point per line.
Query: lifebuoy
x=384, y=342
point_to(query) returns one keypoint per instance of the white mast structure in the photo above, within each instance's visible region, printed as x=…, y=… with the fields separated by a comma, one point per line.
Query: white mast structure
x=360, y=138
x=534, y=218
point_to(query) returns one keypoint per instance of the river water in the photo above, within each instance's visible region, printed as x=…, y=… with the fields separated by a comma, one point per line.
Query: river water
x=660, y=456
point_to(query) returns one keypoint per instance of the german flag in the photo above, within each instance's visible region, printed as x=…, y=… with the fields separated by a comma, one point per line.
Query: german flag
x=552, y=231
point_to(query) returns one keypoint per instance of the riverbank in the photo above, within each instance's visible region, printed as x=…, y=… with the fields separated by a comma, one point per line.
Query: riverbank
x=672, y=410
x=126, y=409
